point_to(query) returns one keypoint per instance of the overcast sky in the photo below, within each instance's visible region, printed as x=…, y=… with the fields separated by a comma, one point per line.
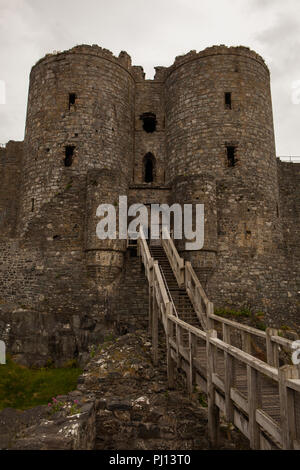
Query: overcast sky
x=153, y=32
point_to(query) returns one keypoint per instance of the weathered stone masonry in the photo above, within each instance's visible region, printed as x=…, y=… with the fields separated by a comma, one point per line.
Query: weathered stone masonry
x=200, y=132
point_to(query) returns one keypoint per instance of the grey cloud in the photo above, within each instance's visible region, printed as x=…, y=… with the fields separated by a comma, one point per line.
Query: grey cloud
x=153, y=33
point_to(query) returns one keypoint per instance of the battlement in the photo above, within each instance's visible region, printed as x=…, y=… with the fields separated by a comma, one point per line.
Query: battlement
x=123, y=59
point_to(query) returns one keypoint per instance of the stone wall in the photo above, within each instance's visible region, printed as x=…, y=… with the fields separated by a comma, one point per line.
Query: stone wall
x=10, y=177
x=85, y=144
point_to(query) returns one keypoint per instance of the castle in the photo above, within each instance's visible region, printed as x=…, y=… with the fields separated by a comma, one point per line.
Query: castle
x=200, y=132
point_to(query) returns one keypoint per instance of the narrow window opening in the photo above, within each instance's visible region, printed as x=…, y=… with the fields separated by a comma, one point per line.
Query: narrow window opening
x=69, y=153
x=149, y=171
x=231, y=155
x=149, y=122
x=72, y=99
x=228, y=100
x=149, y=168
x=32, y=205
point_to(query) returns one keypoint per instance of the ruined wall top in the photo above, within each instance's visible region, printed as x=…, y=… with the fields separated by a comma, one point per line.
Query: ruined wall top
x=124, y=59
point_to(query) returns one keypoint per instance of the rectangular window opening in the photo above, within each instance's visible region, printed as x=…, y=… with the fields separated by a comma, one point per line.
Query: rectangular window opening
x=69, y=153
x=72, y=99
x=228, y=100
x=231, y=155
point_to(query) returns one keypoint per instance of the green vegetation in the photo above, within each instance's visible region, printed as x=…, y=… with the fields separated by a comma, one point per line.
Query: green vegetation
x=22, y=388
x=227, y=312
x=202, y=400
x=253, y=319
x=110, y=337
x=285, y=328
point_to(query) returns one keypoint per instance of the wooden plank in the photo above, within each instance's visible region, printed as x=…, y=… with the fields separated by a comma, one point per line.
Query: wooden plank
x=239, y=400
x=176, y=262
x=220, y=402
x=254, y=402
x=296, y=445
x=286, y=343
x=155, y=332
x=226, y=329
x=287, y=411
x=272, y=347
x=170, y=362
x=246, y=342
x=150, y=308
x=213, y=411
x=239, y=326
x=210, y=313
x=265, y=444
x=269, y=426
x=218, y=382
x=201, y=367
x=190, y=273
x=201, y=382
x=229, y=374
x=192, y=350
x=187, y=327
x=241, y=422
x=178, y=341
x=294, y=384
x=247, y=359
x=160, y=282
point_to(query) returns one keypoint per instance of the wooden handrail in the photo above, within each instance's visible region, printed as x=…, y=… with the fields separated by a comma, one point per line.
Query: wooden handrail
x=176, y=262
x=196, y=294
x=273, y=342
x=191, y=274
x=282, y=435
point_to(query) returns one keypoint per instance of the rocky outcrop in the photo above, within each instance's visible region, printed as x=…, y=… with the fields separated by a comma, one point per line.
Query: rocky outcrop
x=135, y=408
x=71, y=425
x=123, y=404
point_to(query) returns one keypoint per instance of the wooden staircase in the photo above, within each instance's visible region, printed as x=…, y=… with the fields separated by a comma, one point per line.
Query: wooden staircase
x=179, y=296
x=259, y=395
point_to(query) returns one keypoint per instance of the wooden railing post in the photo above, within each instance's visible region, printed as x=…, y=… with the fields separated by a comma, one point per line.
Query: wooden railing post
x=287, y=405
x=213, y=410
x=254, y=402
x=272, y=348
x=178, y=344
x=246, y=342
x=229, y=375
x=192, y=352
x=170, y=361
x=155, y=332
x=210, y=311
x=151, y=301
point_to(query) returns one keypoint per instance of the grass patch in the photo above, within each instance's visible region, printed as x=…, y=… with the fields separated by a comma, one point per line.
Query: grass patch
x=23, y=388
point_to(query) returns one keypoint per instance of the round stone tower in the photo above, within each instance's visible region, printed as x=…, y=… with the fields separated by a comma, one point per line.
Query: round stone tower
x=80, y=118
x=219, y=123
